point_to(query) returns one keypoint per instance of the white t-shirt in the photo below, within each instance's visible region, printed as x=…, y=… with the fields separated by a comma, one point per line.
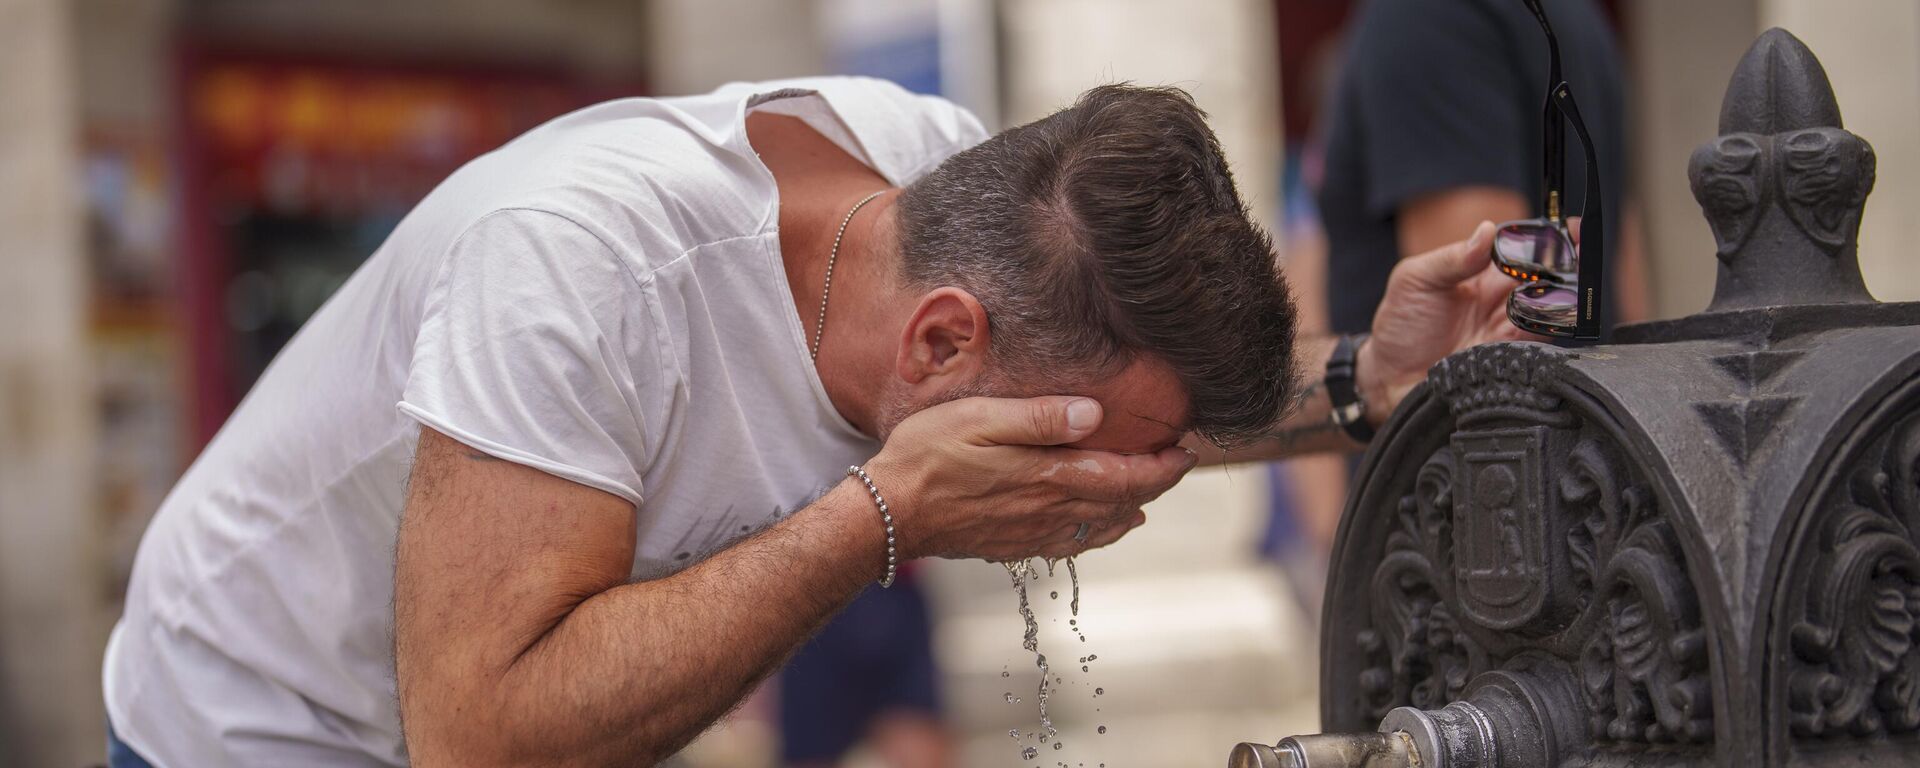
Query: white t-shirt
x=602, y=298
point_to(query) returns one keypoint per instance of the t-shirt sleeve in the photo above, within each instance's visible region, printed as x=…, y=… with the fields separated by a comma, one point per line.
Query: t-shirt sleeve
x=526, y=351
x=1442, y=103
x=905, y=133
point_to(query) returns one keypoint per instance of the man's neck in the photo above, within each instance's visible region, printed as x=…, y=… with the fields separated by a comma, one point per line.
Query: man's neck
x=856, y=350
x=819, y=184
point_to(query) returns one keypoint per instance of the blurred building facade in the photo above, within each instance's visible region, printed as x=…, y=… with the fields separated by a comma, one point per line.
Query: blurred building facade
x=182, y=181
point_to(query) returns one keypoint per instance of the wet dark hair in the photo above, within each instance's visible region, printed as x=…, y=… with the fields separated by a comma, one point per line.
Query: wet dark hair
x=1107, y=232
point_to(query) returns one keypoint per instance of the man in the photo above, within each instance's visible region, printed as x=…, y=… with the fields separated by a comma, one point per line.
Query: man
x=615, y=493
x=1436, y=125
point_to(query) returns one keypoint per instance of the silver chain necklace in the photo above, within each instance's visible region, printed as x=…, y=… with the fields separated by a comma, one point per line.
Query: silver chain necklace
x=820, y=325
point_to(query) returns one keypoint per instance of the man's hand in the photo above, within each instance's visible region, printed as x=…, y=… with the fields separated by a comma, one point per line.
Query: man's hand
x=978, y=478
x=1436, y=304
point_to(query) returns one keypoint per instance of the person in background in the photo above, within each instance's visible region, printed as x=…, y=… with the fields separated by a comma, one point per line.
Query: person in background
x=1435, y=126
x=1306, y=493
x=869, y=677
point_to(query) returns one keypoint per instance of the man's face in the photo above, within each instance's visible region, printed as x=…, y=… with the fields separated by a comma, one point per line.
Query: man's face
x=1144, y=406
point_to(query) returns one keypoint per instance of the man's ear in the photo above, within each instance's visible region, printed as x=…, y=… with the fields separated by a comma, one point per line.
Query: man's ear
x=946, y=336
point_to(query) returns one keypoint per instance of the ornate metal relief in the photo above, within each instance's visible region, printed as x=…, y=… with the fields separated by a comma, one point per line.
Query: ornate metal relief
x=1528, y=531
x=1501, y=543
x=1856, y=644
x=1825, y=176
x=1727, y=178
x=1644, y=672
x=1418, y=654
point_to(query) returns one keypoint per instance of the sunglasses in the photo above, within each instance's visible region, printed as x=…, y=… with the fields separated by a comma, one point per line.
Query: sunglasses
x=1561, y=292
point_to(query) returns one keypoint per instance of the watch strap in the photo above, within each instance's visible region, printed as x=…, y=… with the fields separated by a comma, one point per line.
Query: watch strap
x=1349, y=411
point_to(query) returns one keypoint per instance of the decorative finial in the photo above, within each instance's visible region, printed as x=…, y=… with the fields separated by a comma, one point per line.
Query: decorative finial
x=1784, y=185
x=1778, y=87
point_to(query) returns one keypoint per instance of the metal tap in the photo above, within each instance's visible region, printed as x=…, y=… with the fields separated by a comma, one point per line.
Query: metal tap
x=1503, y=723
x=1355, y=750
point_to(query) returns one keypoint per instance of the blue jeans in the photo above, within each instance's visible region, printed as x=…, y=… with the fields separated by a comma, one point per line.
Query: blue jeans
x=875, y=658
x=119, y=755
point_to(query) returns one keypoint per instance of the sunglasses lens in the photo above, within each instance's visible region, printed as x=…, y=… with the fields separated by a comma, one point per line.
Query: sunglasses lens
x=1545, y=304
x=1536, y=248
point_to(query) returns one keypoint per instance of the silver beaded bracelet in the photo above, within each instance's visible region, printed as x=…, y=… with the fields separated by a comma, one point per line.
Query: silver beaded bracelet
x=885, y=517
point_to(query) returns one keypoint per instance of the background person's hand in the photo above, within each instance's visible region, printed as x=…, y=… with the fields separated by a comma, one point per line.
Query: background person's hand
x=1436, y=304
x=981, y=477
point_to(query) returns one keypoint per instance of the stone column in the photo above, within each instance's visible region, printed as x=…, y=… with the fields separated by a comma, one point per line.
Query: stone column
x=1223, y=51
x=50, y=639
x=1682, y=55
x=1871, y=49
x=697, y=45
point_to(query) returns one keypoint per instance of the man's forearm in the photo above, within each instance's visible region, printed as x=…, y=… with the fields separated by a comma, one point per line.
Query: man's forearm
x=1309, y=426
x=633, y=673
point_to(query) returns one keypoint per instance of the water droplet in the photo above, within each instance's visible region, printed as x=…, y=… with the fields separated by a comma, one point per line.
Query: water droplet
x=1073, y=622
x=1083, y=667
x=1103, y=729
x=1029, y=753
x=1075, y=575
x=1058, y=744
x=1054, y=595
x=1043, y=738
x=1099, y=691
x=1009, y=697
x=1013, y=733
x=1004, y=673
x=1093, y=657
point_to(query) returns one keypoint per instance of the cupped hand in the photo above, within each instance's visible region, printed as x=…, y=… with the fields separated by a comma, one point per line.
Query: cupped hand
x=986, y=478
x=1436, y=304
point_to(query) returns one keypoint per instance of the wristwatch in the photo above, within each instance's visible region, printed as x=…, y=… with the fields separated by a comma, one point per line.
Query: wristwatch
x=1349, y=411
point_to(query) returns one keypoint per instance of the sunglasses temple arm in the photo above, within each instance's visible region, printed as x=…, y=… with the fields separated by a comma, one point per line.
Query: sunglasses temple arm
x=1593, y=224
x=1555, y=140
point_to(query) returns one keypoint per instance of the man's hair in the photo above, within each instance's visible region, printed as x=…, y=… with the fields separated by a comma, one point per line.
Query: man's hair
x=1107, y=232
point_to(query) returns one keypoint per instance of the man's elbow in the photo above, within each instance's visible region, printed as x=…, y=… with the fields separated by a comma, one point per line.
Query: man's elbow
x=486, y=727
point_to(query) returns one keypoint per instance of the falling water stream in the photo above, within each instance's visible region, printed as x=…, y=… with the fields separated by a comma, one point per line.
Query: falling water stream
x=1021, y=572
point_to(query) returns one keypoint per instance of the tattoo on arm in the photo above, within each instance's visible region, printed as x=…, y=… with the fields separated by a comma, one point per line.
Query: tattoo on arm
x=1309, y=392
x=1297, y=437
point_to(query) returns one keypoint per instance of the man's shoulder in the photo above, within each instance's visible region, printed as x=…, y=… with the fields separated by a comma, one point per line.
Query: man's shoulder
x=903, y=133
x=642, y=186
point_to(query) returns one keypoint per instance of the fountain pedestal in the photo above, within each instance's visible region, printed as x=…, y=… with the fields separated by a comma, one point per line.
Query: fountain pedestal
x=1697, y=546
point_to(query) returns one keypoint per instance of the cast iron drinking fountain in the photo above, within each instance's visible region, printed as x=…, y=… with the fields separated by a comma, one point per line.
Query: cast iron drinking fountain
x=1697, y=546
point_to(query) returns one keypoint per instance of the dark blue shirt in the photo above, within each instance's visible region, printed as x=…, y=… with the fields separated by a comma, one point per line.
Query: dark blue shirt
x=1443, y=94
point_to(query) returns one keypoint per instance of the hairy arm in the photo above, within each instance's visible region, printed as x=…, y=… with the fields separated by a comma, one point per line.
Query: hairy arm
x=1433, y=220
x=518, y=640
x=1437, y=303
x=1308, y=427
